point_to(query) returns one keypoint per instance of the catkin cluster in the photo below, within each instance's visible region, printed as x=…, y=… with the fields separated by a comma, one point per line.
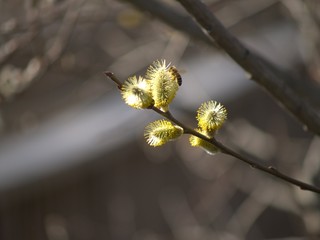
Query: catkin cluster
x=158, y=88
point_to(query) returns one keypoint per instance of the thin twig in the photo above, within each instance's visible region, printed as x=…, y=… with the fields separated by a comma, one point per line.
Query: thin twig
x=226, y=150
x=114, y=78
x=277, y=82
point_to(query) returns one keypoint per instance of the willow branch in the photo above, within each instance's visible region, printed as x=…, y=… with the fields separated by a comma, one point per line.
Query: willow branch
x=276, y=82
x=271, y=170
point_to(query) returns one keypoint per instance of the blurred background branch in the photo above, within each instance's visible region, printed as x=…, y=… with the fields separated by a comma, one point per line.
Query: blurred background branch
x=171, y=16
x=287, y=90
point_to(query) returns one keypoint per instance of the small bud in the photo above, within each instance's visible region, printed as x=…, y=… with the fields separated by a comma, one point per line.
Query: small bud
x=164, y=84
x=136, y=92
x=160, y=132
x=198, y=142
x=211, y=115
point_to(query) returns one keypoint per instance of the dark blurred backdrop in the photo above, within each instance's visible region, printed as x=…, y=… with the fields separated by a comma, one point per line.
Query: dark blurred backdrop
x=73, y=161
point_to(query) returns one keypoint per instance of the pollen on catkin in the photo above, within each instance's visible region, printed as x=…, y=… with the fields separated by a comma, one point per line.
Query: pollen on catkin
x=136, y=92
x=164, y=84
x=198, y=142
x=211, y=115
x=160, y=132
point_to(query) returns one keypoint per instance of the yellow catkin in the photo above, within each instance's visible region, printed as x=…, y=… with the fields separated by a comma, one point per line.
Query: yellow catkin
x=164, y=84
x=136, y=92
x=160, y=132
x=211, y=115
x=198, y=142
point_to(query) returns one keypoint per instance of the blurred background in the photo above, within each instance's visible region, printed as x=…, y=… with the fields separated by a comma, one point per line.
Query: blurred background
x=73, y=160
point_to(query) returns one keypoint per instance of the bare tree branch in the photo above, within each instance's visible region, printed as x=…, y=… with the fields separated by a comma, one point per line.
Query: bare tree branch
x=276, y=82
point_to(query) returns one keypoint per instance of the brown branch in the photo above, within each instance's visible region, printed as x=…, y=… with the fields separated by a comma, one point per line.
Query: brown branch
x=226, y=150
x=39, y=65
x=172, y=18
x=276, y=82
x=11, y=46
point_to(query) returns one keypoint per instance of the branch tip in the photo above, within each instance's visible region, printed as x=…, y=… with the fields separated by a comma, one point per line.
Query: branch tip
x=113, y=78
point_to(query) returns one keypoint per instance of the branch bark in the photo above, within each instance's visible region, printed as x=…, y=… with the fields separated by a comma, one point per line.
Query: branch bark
x=171, y=17
x=281, y=85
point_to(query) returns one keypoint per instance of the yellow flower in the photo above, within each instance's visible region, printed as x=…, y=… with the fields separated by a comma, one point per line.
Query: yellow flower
x=164, y=84
x=160, y=132
x=198, y=142
x=211, y=115
x=136, y=92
